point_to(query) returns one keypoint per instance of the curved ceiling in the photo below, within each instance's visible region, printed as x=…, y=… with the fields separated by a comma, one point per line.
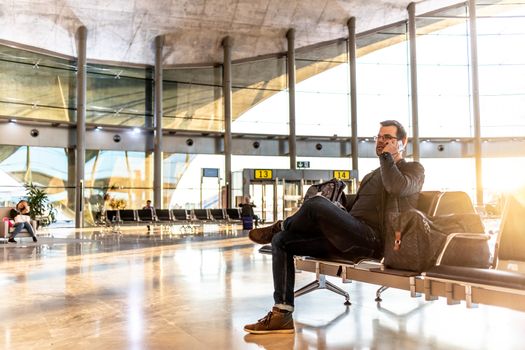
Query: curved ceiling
x=124, y=30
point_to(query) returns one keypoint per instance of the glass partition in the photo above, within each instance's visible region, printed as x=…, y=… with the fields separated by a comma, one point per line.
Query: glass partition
x=192, y=99
x=44, y=167
x=322, y=90
x=127, y=177
x=259, y=97
x=36, y=86
x=443, y=74
x=501, y=55
x=382, y=79
x=119, y=96
x=185, y=184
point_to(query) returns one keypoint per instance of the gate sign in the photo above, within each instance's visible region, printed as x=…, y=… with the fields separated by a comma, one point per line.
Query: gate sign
x=342, y=174
x=263, y=174
x=210, y=172
x=304, y=164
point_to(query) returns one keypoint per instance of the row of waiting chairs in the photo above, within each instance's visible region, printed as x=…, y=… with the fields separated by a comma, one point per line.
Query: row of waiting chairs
x=173, y=215
x=502, y=284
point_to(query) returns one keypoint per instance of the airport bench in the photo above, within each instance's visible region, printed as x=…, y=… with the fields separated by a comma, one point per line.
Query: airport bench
x=374, y=272
x=501, y=285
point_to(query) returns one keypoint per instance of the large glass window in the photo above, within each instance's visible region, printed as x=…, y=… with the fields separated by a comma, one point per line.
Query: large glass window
x=193, y=99
x=185, y=184
x=127, y=177
x=501, y=55
x=36, y=86
x=382, y=79
x=259, y=97
x=443, y=74
x=322, y=90
x=119, y=96
x=44, y=167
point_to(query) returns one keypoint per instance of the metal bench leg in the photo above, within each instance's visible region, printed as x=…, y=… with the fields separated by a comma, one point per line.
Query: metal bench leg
x=378, y=293
x=332, y=287
x=427, y=284
x=310, y=287
x=449, y=289
x=322, y=283
x=468, y=298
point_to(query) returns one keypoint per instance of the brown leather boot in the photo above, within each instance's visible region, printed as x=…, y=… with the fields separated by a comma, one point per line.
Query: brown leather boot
x=264, y=235
x=276, y=321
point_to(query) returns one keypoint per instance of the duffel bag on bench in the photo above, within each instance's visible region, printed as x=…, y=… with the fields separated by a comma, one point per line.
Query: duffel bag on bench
x=415, y=242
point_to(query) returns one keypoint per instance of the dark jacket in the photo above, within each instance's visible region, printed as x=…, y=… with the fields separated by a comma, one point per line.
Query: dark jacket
x=400, y=184
x=247, y=209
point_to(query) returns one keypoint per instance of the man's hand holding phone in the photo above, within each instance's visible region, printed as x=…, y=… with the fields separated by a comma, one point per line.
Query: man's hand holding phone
x=394, y=147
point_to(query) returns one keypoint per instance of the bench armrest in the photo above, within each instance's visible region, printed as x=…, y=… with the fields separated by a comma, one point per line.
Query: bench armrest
x=476, y=239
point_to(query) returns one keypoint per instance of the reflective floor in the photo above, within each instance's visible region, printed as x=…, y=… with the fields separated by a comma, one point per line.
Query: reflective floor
x=169, y=289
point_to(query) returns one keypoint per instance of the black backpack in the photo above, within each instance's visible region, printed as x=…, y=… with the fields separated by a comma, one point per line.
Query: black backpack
x=333, y=190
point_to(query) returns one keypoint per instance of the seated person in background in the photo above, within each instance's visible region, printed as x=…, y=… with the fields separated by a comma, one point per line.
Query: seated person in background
x=247, y=210
x=149, y=206
x=323, y=230
x=21, y=220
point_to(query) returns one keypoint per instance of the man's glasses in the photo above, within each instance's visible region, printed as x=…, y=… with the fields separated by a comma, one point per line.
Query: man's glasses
x=386, y=137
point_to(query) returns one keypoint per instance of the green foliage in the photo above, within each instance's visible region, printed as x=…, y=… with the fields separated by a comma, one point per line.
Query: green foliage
x=39, y=204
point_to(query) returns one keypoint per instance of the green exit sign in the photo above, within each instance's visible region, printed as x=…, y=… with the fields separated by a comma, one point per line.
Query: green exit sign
x=303, y=164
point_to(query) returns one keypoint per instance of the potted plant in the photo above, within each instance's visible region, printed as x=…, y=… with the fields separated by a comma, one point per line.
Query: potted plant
x=41, y=210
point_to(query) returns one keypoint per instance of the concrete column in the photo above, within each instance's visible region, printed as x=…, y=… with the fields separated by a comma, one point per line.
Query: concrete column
x=157, y=148
x=149, y=122
x=292, y=147
x=413, y=79
x=227, y=95
x=353, y=91
x=81, y=126
x=474, y=76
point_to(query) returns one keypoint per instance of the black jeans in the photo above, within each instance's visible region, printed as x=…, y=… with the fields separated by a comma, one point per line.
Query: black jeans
x=305, y=234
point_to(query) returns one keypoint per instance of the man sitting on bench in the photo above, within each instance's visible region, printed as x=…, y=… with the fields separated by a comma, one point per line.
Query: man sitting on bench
x=323, y=230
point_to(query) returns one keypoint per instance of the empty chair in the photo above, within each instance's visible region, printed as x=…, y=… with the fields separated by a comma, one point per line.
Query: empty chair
x=112, y=216
x=218, y=214
x=234, y=214
x=454, y=202
x=127, y=215
x=504, y=283
x=180, y=215
x=146, y=215
x=510, y=246
x=428, y=201
x=201, y=214
x=163, y=215
x=183, y=217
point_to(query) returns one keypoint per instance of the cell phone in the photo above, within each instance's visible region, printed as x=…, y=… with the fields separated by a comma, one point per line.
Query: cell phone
x=400, y=146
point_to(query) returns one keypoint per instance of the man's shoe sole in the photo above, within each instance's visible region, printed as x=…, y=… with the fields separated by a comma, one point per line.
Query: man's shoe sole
x=258, y=241
x=274, y=331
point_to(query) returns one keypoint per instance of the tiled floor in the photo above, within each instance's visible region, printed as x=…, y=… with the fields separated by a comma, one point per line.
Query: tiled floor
x=93, y=290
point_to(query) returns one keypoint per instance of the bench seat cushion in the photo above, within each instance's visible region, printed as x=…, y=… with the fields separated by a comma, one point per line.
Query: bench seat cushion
x=496, y=278
x=402, y=273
